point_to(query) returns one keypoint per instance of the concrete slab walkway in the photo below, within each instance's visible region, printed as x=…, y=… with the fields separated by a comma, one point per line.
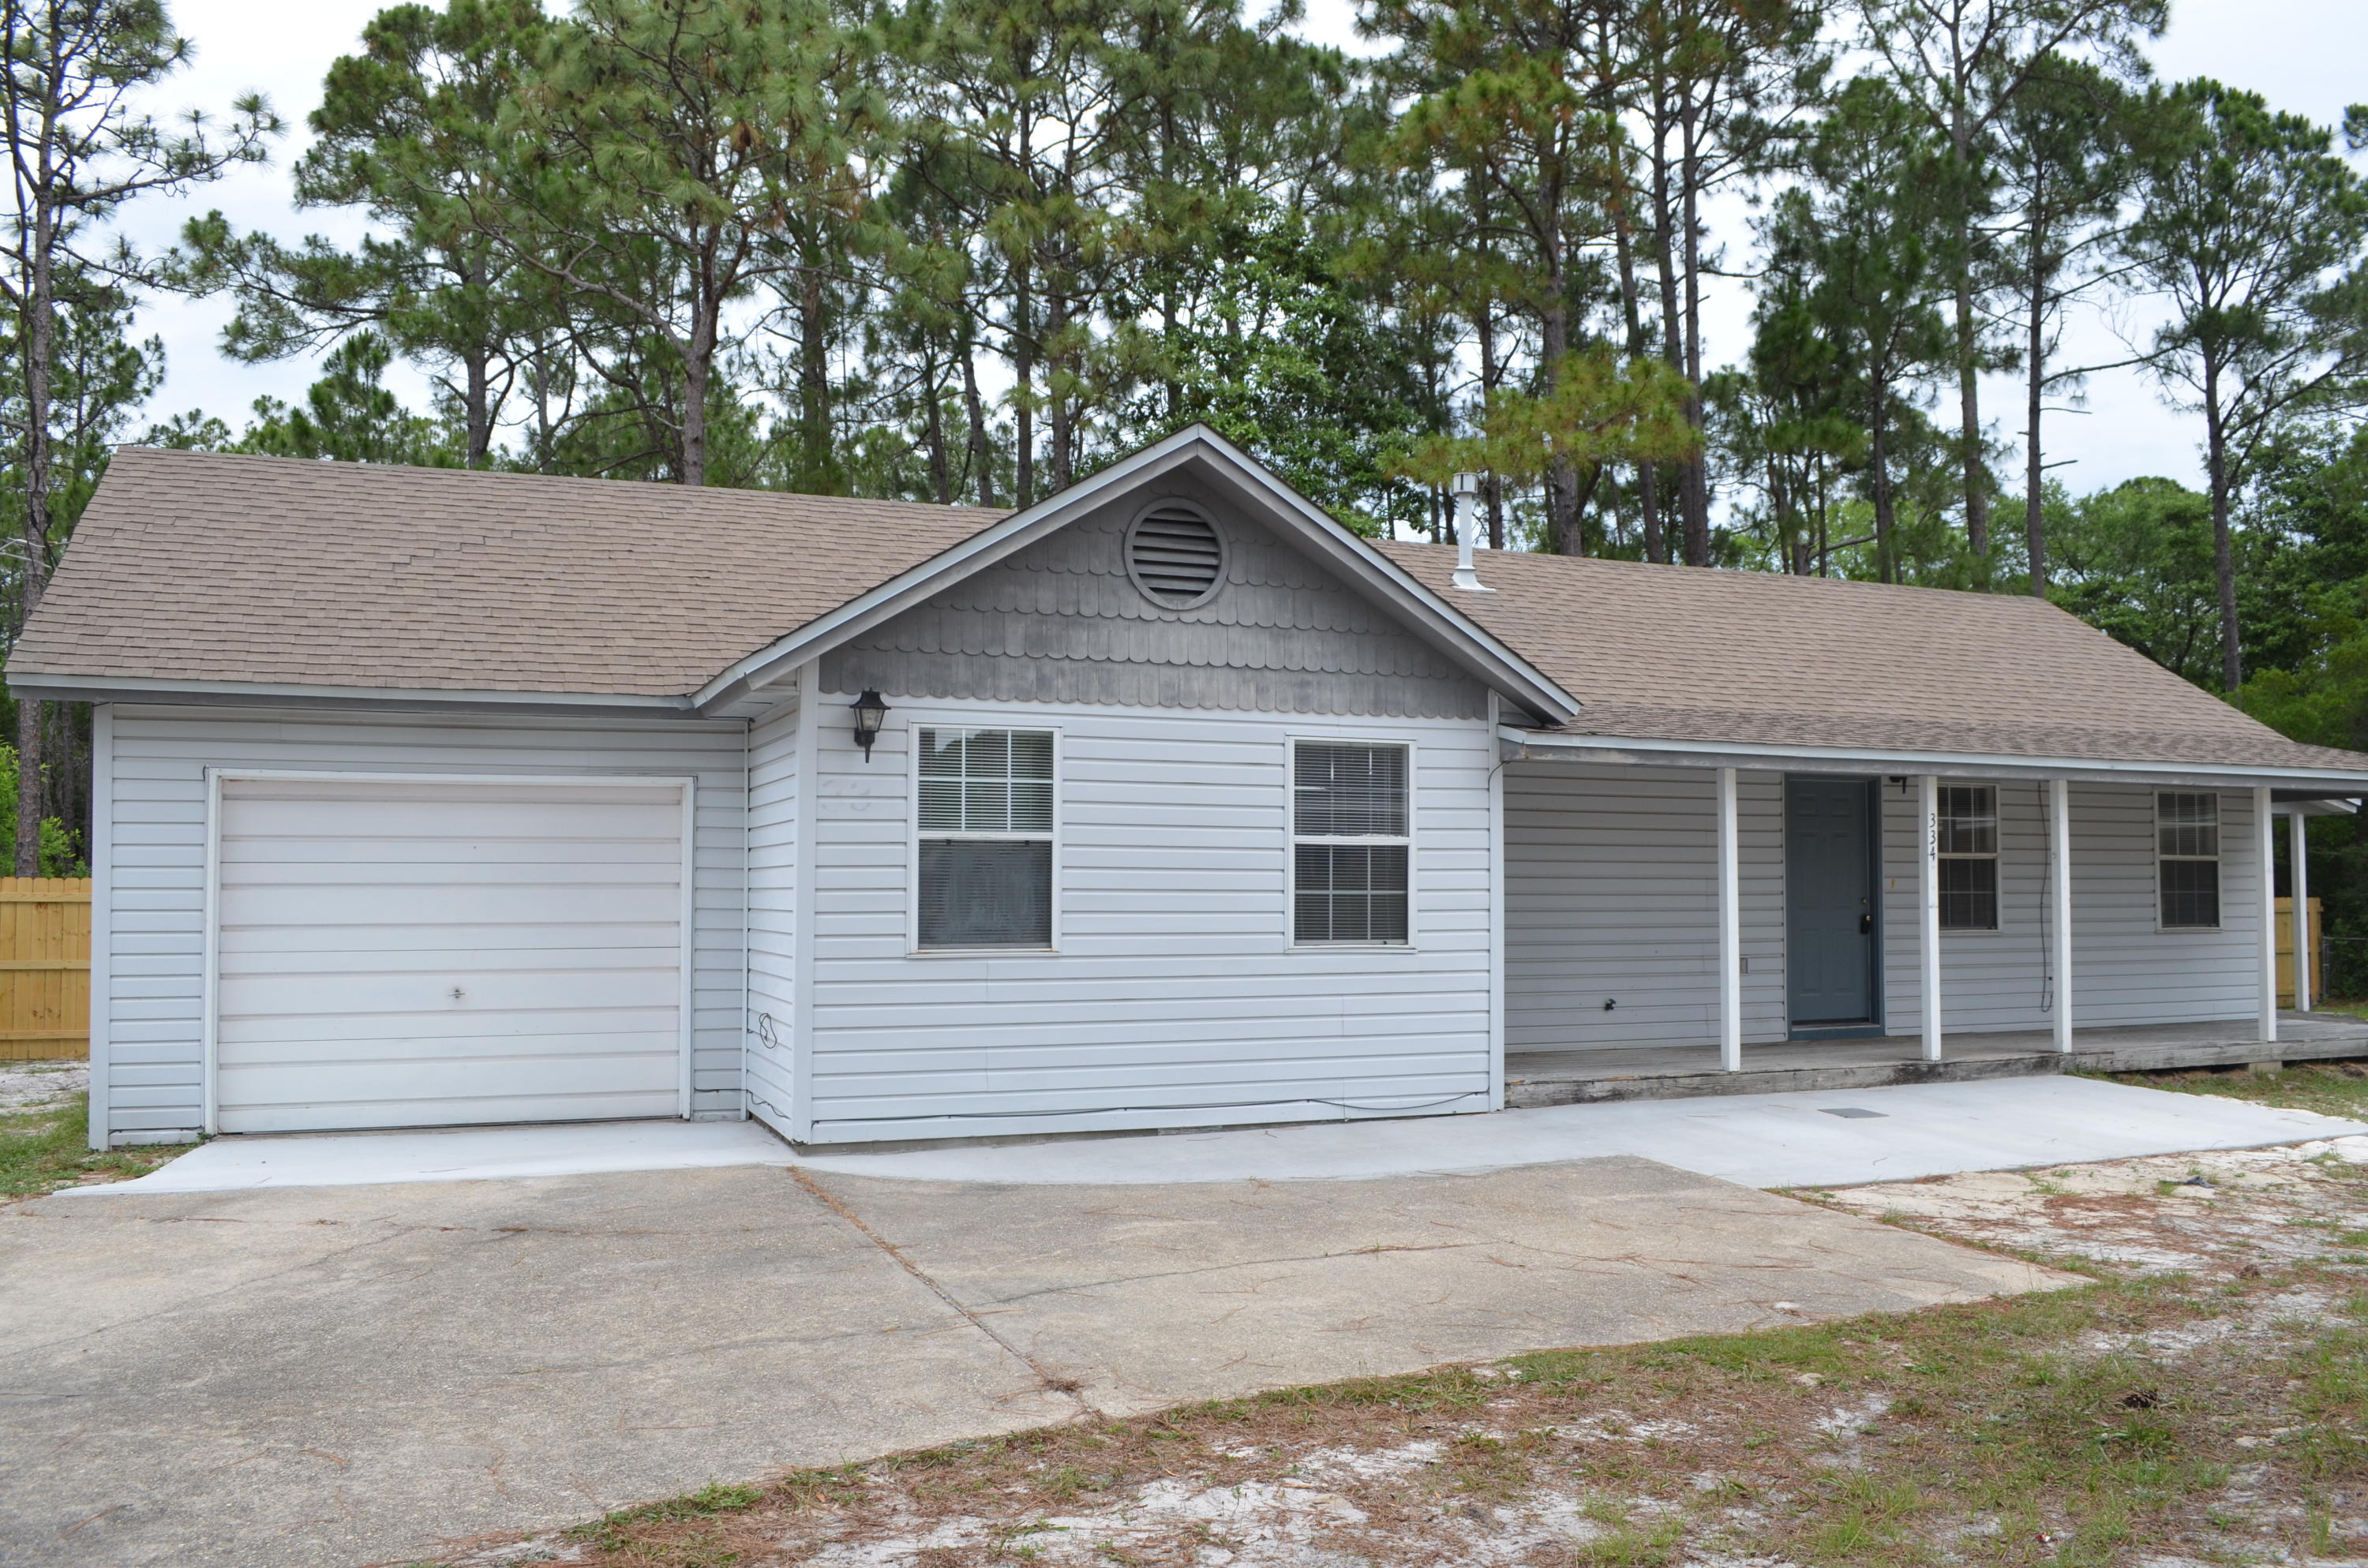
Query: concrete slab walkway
x=339, y=1375
x=1758, y=1140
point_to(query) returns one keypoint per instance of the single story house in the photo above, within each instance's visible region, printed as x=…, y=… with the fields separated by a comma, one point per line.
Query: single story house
x=427, y=798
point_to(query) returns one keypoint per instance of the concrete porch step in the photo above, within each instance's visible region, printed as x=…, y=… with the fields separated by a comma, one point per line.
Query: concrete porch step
x=1654, y=1073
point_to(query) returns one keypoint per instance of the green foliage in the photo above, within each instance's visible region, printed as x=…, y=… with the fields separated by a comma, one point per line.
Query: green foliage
x=1287, y=362
x=62, y=850
x=350, y=416
x=2135, y=561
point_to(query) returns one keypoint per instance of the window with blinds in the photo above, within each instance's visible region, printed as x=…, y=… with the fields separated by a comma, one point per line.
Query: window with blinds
x=984, y=825
x=1969, y=857
x=1350, y=841
x=2187, y=859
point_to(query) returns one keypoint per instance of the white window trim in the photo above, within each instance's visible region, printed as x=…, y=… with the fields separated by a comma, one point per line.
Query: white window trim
x=1996, y=856
x=915, y=722
x=2219, y=830
x=1292, y=840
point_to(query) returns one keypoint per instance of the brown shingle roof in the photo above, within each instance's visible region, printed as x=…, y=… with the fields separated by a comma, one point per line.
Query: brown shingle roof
x=205, y=566
x=214, y=567
x=1658, y=653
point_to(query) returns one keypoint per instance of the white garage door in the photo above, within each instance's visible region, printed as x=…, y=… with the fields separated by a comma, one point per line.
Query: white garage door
x=415, y=954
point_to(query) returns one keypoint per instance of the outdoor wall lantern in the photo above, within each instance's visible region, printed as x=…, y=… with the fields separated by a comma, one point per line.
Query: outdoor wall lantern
x=870, y=710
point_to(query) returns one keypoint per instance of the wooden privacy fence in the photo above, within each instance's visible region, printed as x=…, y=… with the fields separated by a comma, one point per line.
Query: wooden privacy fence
x=2285, y=953
x=44, y=968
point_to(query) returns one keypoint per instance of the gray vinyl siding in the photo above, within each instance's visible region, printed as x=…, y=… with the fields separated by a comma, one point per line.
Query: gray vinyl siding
x=148, y=1021
x=2125, y=970
x=1175, y=997
x=1611, y=894
x=1061, y=621
x=773, y=788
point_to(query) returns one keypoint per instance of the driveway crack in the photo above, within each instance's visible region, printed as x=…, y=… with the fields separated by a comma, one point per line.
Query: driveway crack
x=1070, y=1387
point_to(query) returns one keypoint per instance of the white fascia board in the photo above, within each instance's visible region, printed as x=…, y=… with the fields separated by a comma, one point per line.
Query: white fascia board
x=1491, y=659
x=146, y=688
x=1716, y=754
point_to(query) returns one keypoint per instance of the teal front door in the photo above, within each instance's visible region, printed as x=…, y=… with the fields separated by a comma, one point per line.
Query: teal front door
x=1832, y=938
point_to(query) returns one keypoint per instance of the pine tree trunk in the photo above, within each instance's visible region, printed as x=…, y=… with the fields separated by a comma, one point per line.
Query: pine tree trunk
x=1969, y=390
x=817, y=474
x=1648, y=496
x=1059, y=409
x=2034, y=519
x=1023, y=367
x=1879, y=471
x=2224, y=553
x=982, y=455
x=476, y=391
x=1693, y=476
x=40, y=340
x=940, y=475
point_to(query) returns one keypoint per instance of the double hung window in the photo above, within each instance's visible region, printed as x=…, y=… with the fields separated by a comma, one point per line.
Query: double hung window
x=986, y=849
x=1350, y=837
x=2187, y=859
x=1969, y=857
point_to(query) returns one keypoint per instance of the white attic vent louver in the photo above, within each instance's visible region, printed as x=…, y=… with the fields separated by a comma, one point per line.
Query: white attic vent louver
x=1175, y=556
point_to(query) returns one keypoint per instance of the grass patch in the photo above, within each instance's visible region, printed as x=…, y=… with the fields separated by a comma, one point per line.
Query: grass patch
x=45, y=1149
x=2330, y=1088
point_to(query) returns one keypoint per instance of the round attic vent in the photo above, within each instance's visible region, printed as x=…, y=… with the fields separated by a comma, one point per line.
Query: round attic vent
x=1175, y=556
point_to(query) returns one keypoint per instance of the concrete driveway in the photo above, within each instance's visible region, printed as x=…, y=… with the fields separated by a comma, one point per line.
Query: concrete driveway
x=361, y=1374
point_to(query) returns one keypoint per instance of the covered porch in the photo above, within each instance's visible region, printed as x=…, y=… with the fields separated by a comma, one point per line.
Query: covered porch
x=1677, y=1072
x=2003, y=917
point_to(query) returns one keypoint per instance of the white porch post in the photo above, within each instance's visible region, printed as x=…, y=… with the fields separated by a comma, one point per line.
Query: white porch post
x=2298, y=864
x=2264, y=840
x=1928, y=888
x=1730, y=929
x=2059, y=851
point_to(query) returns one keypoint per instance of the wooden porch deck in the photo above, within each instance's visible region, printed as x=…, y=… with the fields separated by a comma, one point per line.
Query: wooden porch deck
x=1674, y=1071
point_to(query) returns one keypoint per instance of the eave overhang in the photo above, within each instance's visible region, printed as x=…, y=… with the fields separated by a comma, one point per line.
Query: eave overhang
x=2289, y=783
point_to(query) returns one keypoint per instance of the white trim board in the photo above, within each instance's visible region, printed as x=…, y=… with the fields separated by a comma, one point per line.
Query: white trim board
x=1533, y=746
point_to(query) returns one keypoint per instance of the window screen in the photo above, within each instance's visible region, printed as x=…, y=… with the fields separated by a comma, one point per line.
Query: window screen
x=2187, y=859
x=1969, y=868
x=1349, y=818
x=986, y=831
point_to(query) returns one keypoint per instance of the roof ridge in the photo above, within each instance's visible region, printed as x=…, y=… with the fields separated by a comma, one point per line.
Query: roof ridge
x=1551, y=561
x=385, y=472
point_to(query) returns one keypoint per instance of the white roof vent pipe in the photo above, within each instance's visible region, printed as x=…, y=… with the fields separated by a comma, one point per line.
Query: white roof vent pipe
x=1466, y=488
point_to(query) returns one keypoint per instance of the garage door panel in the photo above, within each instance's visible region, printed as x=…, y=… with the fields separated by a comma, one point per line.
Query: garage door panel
x=482, y=991
x=462, y=1111
x=434, y=1037
x=359, y=958
x=253, y=944
x=292, y=1080
x=529, y=817
x=665, y=854
x=300, y=906
x=350, y=914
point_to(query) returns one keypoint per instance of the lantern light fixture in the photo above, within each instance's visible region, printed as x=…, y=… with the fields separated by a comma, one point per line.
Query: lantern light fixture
x=870, y=710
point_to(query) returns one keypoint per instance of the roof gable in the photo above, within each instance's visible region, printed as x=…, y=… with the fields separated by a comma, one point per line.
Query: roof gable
x=1065, y=620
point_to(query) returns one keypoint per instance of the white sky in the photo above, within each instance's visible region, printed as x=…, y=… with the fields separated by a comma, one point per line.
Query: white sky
x=2310, y=56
